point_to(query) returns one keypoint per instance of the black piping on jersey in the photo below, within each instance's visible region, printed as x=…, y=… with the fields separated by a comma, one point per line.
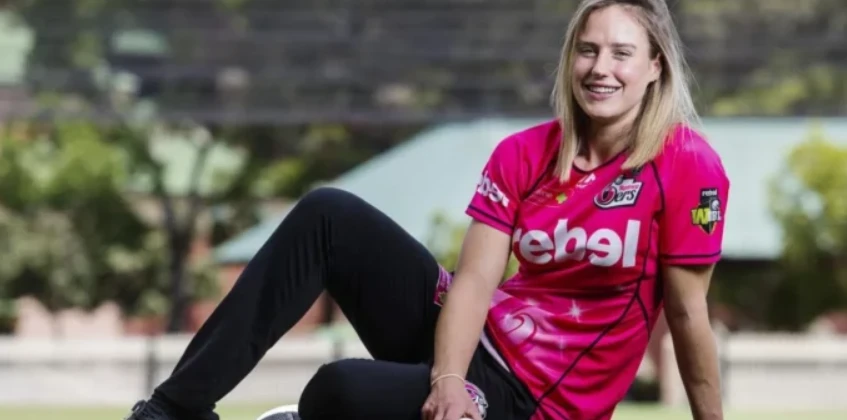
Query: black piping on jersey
x=607, y=330
x=492, y=217
x=689, y=256
x=662, y=209
x=659, y=286
x=658, y=291
x=658, y=179
x=526, y=195
x=604, y=164
x=644, y=315
x=636, y=295
x=547, y=170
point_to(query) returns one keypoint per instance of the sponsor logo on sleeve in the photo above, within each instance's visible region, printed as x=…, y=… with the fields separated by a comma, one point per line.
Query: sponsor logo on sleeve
x=487, y=188
x=707, y=214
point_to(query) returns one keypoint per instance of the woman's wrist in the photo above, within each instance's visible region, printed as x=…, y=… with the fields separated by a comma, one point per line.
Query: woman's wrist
x=447, y=377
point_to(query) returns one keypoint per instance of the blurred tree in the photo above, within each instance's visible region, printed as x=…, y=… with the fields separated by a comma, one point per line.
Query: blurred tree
x=186, y=169
x=810, y=202
x=62, y=210
x=320, y=152
x=780, y=89
x=62, y=215
x=445, y=242
x=71, y=236
x=111, y=58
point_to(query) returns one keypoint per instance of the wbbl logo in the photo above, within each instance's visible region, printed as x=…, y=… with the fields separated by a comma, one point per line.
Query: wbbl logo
x=708, y=213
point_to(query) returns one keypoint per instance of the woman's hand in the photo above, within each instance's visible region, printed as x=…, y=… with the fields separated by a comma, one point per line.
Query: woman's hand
x=448, y=400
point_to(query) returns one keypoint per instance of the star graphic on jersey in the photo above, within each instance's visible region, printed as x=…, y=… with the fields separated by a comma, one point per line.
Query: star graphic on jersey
x=575, y=311
x=561, y=198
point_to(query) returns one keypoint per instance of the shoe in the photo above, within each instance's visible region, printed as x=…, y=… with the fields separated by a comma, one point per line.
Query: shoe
x=153, y=410
x=143, y=410
x=286, y=412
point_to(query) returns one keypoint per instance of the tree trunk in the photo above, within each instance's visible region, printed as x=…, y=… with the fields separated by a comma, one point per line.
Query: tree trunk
x=177, y=272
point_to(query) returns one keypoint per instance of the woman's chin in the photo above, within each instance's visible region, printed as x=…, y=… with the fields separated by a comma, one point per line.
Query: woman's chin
x=602, y=114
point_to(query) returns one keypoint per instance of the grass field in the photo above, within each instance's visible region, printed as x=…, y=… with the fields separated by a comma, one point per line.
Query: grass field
x=250, y=413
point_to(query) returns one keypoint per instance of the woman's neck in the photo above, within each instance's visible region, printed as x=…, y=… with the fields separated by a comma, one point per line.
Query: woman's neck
x=604, y=142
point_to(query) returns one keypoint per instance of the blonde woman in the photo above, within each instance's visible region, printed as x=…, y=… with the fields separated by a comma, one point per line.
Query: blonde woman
x=614, y=211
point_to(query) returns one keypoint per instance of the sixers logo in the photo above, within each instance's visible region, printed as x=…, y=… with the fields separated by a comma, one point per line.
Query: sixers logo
x=623, y=192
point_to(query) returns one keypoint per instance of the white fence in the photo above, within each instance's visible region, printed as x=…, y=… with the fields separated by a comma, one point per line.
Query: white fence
x=760, y=371
x=115, y=371
x=773, y=371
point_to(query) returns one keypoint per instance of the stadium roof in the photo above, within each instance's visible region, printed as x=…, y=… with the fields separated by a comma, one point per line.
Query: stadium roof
x=438, y=169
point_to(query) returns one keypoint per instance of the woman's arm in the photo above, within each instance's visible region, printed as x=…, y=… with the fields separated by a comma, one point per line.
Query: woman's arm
x=479, y=271
x=694, y=342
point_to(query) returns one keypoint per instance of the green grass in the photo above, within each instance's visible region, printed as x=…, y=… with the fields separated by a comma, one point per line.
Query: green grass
x=627, y=412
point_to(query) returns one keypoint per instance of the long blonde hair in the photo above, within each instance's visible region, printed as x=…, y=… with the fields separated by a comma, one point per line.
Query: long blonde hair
x=667, y=101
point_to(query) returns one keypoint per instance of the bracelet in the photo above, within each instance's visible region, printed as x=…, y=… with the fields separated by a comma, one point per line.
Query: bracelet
x=449, y=375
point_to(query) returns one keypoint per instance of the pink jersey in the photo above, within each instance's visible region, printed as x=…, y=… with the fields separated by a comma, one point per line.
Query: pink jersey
x=574, y=322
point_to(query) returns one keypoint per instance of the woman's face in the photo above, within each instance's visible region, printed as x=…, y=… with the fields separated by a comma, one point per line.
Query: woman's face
x=612, y=65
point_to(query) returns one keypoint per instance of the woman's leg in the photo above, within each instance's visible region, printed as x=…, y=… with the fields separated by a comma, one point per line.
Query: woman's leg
x=376, y=390
x=365, y=389
x=383, y=280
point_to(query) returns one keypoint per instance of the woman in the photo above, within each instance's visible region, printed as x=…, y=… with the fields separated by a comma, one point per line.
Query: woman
x=614, y=211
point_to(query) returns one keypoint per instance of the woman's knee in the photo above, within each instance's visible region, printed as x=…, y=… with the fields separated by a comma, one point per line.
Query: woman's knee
x=330, y=392
x=328, y=200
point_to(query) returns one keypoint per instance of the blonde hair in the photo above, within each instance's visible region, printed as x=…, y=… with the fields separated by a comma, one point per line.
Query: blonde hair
x=667, y=101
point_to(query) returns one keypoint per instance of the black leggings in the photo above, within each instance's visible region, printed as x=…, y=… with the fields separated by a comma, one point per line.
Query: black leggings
x=383, y=280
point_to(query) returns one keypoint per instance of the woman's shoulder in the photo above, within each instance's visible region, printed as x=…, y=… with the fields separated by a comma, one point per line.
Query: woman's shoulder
x=687, y=150
x=535, y=144
x=687, y=144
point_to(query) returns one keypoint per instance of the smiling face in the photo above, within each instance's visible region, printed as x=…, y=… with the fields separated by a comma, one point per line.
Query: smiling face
x=613, y=65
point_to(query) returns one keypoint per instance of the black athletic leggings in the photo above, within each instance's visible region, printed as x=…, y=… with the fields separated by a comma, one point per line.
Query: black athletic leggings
x=384, y=282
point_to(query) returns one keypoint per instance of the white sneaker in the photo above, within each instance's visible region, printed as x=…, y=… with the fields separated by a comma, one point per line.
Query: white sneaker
x=285, y=412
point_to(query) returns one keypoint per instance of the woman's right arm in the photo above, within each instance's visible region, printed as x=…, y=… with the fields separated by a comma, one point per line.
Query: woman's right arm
x=479, y=271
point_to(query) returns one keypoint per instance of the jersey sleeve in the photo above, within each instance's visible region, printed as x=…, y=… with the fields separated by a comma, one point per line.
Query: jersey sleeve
x=691, y=225
x=497, y=196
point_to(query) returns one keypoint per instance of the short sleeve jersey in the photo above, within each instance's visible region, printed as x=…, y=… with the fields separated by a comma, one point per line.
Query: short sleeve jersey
x=573, y=324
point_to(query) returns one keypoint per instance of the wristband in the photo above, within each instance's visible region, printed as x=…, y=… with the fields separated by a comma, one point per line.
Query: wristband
x=449, y=375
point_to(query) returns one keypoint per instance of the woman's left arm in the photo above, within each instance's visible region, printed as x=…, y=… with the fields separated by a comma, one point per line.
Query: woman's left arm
x=691, y=231
x=687, y=313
